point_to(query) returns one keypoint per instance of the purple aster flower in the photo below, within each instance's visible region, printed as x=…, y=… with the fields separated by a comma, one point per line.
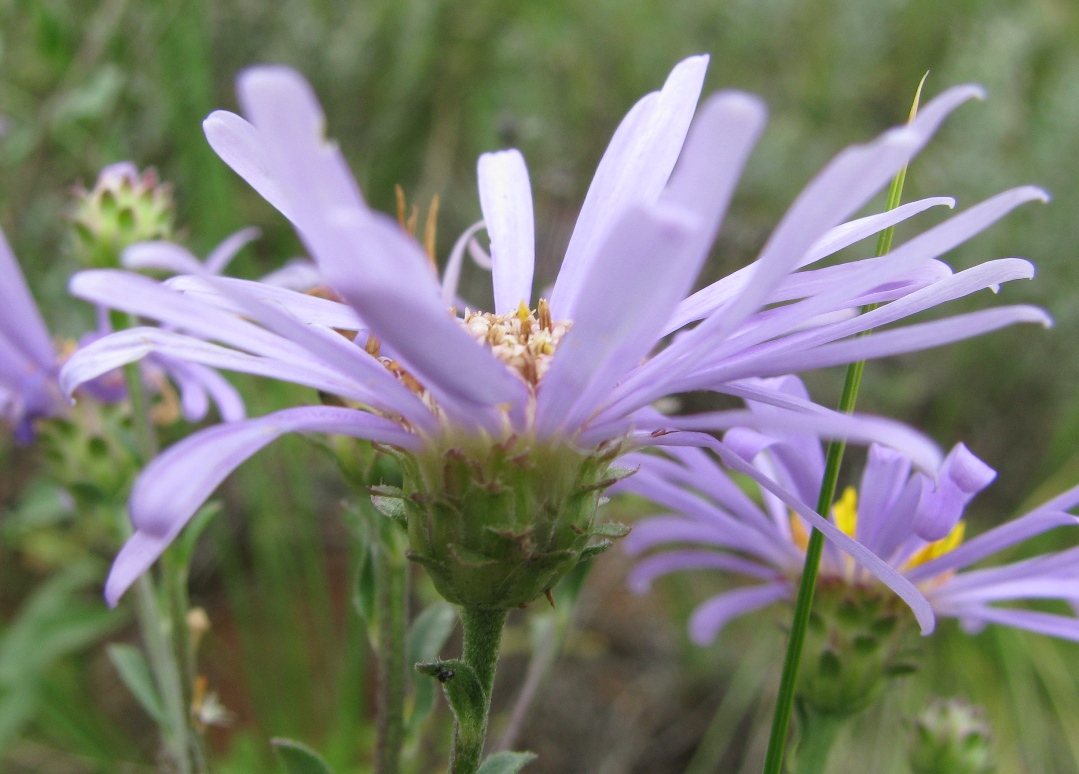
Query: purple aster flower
x=909, y=519
x=577, y=374
x=30, y=365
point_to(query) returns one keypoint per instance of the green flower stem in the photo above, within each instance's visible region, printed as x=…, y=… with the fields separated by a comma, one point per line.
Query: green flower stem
x=164, y=626
x=166, y=674
x=773, y=761
x=482, y=639
x=391, y=574
x=817, y=737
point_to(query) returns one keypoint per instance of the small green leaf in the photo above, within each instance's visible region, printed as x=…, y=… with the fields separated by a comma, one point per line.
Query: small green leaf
x=611, y=529
x=463, y=691
x=135, y=673
x=299, y=758
x=595, y=550
x=392, y=507
x=506, y=762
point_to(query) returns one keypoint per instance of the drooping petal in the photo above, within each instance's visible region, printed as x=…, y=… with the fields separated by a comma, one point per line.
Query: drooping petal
x=710, y=617
x=177, y=482
x=506, y=200
x=210, y=383
x=634, y=169
x=1065, y=627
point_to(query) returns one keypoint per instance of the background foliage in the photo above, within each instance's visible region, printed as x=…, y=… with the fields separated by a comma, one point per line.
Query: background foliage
x=415, y=90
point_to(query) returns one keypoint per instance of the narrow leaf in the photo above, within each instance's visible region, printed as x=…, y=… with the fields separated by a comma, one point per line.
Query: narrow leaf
x=135, y=674
x=298, y=758
x=506, y=762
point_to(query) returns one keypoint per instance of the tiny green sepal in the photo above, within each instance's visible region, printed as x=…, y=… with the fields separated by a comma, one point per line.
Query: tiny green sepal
x=611, y=529
x=595, y=550
x=298, y=758
x=391, y=507
x=506, y=762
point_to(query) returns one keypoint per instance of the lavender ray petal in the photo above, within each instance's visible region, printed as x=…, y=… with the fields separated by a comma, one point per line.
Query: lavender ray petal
x=160, y=256
x=662, y=530
x=604, y=341
x=707, y=300
x=885, y=344
x=711, y=616
x=298, y=274
x=221, y=256
x=634, y=169
x=227, y=399
x=506, y=201
x=1027, y=588
x=20, y=321
x=1053, y=625
x=886, y=473
x=997, y=539
x=240, y=145
x=646, y=571
x=961, y=477
x=310, y=310
x=177, y=482
x=451, y=276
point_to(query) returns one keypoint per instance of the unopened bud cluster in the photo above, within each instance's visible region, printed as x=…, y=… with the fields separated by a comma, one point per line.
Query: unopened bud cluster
x=951, y=737
x=124, y=207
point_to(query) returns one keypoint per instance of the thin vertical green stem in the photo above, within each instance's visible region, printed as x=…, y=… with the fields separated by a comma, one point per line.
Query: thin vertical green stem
x=482, y=640
x=391, y=574
x=803, y=605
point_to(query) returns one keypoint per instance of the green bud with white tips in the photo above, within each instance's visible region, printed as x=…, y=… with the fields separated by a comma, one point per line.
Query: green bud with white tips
x=951, y=737
x=124, y=207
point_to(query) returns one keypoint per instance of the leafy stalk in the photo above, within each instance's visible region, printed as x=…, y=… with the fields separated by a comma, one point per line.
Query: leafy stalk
x=803, y=605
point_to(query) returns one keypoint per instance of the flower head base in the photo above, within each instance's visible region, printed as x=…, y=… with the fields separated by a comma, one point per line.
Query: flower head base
x=123, y=208
x=859, y=638
x=498, y=525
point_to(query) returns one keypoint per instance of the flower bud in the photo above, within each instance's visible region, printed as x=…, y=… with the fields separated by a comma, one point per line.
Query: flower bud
x=858, y=639
x=498, y=525
x=951, y=737
x=123, y=208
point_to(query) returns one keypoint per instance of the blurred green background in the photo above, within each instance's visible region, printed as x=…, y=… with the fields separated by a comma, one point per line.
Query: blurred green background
x=414, y=90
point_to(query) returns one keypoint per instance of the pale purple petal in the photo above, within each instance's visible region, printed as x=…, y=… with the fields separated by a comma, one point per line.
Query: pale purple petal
x=222, y=255
x=20, y=321
x=705, y=301
x=202, y=382
x=1016, y=531
x=634, y=169
x=711, y=616
x=240, y=146
x=179, y=480
x=298, y=274
x=961, y=477
x=311, y=310
x=886, y=473
x=1053, y=625
x=160, y=256
x=506, y=200
x=645, y=572
x=663, y=530
x=451, y=277
x=605, y=341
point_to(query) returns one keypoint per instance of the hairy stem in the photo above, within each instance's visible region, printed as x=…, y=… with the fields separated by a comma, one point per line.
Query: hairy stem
x=482, y=640
x=391, y=572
